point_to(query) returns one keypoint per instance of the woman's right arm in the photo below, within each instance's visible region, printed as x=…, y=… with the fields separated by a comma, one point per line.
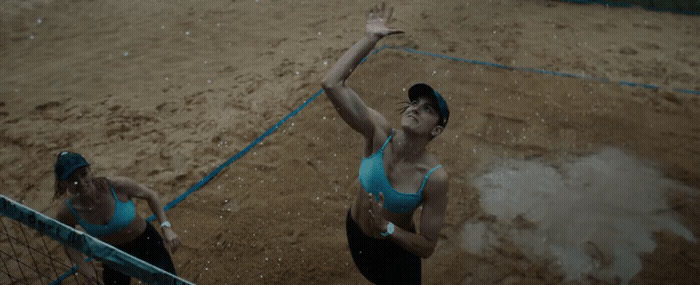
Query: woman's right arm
x=75, y=256
x=346, y=101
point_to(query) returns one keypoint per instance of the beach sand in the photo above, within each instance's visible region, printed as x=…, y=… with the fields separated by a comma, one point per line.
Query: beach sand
x=166, y=91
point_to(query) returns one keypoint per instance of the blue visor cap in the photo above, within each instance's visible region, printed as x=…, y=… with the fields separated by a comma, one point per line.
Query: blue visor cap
x=422, y=89
x=67, y=163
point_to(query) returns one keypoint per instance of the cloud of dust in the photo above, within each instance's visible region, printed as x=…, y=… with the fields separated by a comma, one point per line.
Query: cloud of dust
x=593, y=214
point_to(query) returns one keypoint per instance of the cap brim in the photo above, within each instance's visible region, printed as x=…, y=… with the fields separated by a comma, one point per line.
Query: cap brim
x=421, y=89
x=70, y=171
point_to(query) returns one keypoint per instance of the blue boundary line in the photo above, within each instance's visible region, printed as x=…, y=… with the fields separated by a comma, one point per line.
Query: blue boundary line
x=541, y=71
x=269, y=131
x=627, y=5
x=236, y=157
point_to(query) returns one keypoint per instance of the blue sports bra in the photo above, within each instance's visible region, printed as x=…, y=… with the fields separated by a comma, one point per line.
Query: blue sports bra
x=124, y=213
x=373, y=179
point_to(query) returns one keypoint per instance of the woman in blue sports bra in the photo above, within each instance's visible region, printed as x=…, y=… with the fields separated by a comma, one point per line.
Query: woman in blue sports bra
x=397, y=174
x=103, y=207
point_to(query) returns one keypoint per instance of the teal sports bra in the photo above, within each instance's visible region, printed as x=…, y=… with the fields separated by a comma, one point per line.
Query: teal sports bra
x=373, y=179
x=124, y=213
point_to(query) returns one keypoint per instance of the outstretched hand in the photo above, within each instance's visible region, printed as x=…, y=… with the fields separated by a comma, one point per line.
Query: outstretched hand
x=377, y=19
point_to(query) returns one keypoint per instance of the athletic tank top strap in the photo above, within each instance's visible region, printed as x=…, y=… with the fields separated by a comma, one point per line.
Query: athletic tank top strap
x=387, y=140
x=425, y=179
x=71, y=209
x=114, y=194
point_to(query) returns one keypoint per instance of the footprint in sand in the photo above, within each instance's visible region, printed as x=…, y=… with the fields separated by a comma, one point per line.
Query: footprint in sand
x=46, y=106
x=628, y=50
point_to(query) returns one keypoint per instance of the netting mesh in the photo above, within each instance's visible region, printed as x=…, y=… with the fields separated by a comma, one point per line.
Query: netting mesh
x=28, y=257
x=32, y=251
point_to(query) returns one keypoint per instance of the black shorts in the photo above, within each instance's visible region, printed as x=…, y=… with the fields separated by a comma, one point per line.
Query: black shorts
x=381, y=261
x=148, y=247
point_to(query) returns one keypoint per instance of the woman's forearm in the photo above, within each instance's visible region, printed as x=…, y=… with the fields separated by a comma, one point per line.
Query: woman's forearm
x=154, y=204
x=413, y=243
x=349, y=61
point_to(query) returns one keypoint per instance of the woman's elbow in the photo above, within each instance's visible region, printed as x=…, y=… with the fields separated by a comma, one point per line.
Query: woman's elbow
x=427, y=252
x=427, y=249
x=329, y=84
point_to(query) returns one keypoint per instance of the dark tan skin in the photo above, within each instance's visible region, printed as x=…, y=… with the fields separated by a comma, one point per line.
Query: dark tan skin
x=406, y=160
x=93, y=201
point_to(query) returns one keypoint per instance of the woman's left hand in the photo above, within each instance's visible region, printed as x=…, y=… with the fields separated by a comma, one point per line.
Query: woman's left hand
x=377, y=19
x=378, y=222
x=172, y=241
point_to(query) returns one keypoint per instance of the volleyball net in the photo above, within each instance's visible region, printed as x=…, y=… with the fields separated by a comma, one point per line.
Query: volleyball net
x=28, y=258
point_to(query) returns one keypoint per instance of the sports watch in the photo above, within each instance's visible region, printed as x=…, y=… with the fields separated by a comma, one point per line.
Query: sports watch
x=389, y=229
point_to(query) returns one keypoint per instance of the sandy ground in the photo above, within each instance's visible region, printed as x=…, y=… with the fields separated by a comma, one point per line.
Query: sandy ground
x=165, y=91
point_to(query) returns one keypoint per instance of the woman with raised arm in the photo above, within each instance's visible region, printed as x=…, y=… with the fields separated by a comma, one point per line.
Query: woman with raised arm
x=397, y=174
x=103, y=207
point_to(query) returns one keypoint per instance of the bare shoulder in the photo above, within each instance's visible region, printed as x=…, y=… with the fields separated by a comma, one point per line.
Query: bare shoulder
x=64, y=215
x=121, y=182
x=438, y=180
x=439, y=176
x=124, y=185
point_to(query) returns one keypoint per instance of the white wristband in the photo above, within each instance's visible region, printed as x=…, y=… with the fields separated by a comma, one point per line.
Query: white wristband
x=389, y=230
x=165, y=224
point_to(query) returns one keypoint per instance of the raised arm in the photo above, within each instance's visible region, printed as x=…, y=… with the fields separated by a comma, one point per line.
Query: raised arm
x=346, y=101
x=136, y=190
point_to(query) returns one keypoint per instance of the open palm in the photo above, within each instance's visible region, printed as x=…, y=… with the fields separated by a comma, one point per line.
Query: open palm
x=377, y=20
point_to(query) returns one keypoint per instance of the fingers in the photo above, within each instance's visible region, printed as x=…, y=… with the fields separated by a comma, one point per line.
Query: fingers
x=395, y=31
x=380, y=12
x=373, y=12
x=176, y=245
x=173, y=244
x=373, y=203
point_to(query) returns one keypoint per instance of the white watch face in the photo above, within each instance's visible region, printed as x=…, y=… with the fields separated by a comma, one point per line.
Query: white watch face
x=389, y=229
